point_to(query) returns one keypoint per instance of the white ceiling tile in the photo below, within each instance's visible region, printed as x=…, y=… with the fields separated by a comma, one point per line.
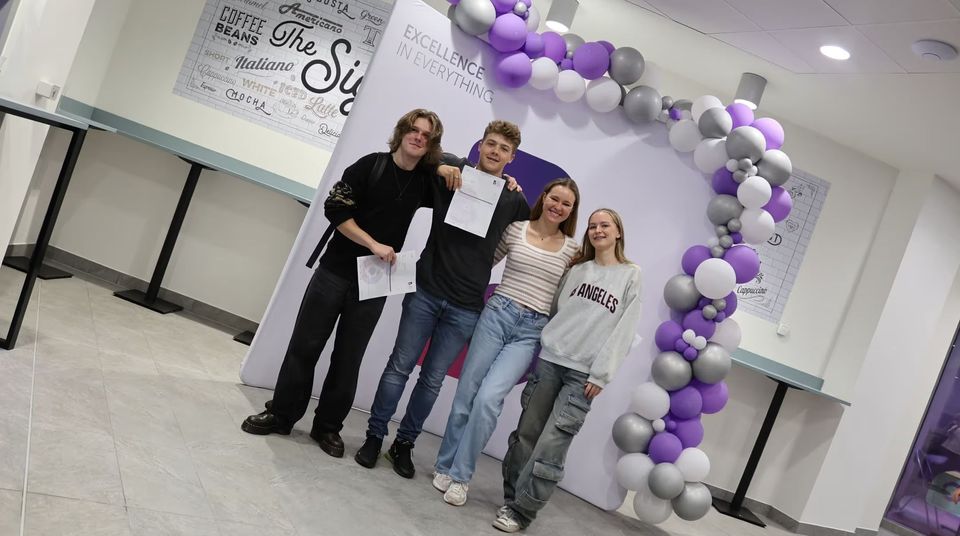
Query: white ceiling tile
x=646, y=5
x=895, y=40
x=707, y=16
x=880, y=11
x=762, y=45
x=865, y=57
x=788, y=14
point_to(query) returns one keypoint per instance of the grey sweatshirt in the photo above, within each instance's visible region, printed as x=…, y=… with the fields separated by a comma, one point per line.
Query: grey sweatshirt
x=597, y=309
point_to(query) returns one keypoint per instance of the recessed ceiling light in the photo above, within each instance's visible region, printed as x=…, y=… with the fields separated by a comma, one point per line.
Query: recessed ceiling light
x=834, y=52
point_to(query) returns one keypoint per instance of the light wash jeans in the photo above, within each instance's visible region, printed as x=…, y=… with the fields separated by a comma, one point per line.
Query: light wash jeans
x=502, y=346
x=554, y=408
x=448, y=328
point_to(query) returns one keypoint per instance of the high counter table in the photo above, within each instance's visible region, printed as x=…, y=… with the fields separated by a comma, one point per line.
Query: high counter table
x=786, y=378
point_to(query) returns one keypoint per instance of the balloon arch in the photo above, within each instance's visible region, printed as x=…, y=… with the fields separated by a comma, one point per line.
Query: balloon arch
x=660, y=434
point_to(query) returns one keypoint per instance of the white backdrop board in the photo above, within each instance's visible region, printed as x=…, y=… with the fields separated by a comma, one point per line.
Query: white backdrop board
x=424, y=61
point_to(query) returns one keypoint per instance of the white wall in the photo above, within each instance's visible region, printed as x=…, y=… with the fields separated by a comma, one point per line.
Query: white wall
x=96, y=50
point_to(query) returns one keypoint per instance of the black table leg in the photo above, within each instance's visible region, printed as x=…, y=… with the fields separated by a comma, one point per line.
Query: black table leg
x=245, y=337
x=149, y=298
x=43, y=239
x=22, y=264
x=734, y=508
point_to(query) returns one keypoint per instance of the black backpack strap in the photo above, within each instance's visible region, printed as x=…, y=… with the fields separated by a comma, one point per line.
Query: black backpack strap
x=378, y=167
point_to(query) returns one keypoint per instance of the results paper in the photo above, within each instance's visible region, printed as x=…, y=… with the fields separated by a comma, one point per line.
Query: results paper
x=473, y=204
x=377, y=278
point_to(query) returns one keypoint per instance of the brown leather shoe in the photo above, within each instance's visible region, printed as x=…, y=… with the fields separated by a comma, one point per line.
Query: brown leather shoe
x=330, y=442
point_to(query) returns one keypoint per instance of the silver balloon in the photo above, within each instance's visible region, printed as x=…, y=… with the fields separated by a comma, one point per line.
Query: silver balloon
x=722, y=230
x=666, y=481
x=475, y=16
x=709, y=312
x=744, y=163
x=681, y=293
x=746, y=142
x=723, y=208
x=754, y=170
x=632, y=433
x=715, y=123
x=573, y=42
x=450, y=10
x=693, y=502
x=712, y=364
x=642, y=104
x=739, y=176
x=717, y=251
x=671, y=371
x=734, y=225
x=626, y=65
x=683, y=104
x=726, y=242
x=775, y=166
x=720, y=304
x=666, y=103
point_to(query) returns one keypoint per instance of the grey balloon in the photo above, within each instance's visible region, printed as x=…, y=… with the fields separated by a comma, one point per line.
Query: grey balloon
x=626, y=65
x=666, y=103
x=715, y=123
x=475, y=16
x=683, y=104
x=450, y=11
x=726, y=242
x=681, y=293
x=709, y=312
x=666, y=481
x=734, y=225
x=775, y=166
x=720, y=304
x=693, y=502
x=712, y=364
x=671, y=371
x=717, y=251
x=739, y=176
x=642, y=104
x=754, y=170
x=744, y=163
x=723, y=208
x=632, y=433
x=573, y=42
x=746, y=142
x=722, y=230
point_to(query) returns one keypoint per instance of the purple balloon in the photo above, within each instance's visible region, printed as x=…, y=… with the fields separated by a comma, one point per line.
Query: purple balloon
x=670, y=424
x=737, y=238
x=608, y=45
x=689, y=432
x=731, y=300
x=741, y=113
x=771, y=130
x=704, y=302
x=691, y=353
x=508, y=33
x=721, y=316
x=714, y=395
x=454, y=2
x=513, y=70
x=723, y=182
x=745, y=262
x=554, y=47
x=533, y=47
x=693, y=257
x=566, y=64
x=664, y=448
x=527, y=3
x=675, y=114
x=591, y=60
x=694, y=320
x=681, y=346
x=780, y=204
x=667, y=335
x=504, y=6
x=686, y=403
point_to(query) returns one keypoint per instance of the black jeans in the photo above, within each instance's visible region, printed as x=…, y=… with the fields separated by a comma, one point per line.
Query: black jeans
x=328, y=297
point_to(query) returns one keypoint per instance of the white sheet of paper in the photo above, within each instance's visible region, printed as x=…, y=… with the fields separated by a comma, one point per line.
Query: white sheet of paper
x=473, y=204
x=377, y=278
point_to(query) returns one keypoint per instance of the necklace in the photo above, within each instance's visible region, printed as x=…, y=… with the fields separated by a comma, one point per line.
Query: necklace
x=541, y=236
x=397, y=179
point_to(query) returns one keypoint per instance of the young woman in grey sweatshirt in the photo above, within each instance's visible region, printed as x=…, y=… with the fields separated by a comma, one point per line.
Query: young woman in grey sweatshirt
x=596, y=308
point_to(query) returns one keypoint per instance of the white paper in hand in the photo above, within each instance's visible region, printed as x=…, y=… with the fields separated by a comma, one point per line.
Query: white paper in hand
x=473, y=204
x=377, y=278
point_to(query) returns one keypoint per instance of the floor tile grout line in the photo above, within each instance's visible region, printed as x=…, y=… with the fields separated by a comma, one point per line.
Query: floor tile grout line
x=33, y=383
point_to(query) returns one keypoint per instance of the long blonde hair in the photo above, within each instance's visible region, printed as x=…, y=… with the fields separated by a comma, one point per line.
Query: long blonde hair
x=587, y=251
x=569, y=225
x=405, y=125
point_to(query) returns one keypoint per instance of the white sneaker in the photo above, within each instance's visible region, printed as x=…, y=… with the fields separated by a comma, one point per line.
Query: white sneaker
x=441, y=482
x=506, y=522
x=502, y=510
x=456, y=494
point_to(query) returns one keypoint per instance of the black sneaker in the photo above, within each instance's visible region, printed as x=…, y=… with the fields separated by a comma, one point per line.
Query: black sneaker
x=265, y=423
x=399, y=456
x=369, y=452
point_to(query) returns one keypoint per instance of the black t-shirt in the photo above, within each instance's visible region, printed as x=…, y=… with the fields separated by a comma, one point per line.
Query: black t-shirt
x=455, y=265
x=382, y=207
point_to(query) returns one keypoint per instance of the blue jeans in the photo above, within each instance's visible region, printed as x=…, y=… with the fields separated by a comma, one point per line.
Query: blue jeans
x=448, y=328
x=502, y=346
x=554, y=408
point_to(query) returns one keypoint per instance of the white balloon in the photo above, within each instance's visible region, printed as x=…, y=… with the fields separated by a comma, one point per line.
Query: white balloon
x=710, y=155
x=650, y=508
x=650, y=401
x=727, y=334
x=603, y=95
x=533, y=19
x=685, y=135
x=694, y=464
x=757, y=225
x=545, y=73
x=570, y=86
x=633, y=470
x=659, y=425
x=704, y=103
x=754, y=192
x=715, y=278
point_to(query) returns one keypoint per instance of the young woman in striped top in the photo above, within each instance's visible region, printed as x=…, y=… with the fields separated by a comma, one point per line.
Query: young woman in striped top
x=538, y=253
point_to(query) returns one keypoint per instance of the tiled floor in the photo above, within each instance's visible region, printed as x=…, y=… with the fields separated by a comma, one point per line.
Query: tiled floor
x=118, y=420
